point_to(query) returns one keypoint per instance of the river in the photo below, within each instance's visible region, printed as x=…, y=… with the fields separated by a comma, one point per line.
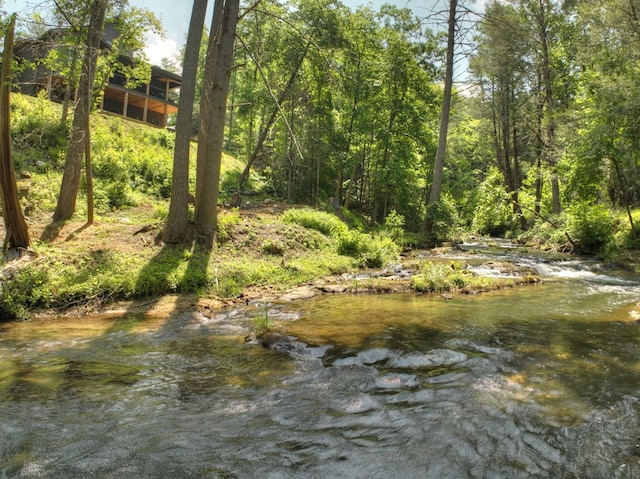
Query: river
x=539, y=381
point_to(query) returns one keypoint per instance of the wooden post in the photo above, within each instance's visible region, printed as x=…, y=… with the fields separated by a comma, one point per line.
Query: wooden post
x=49, y=84
x=166, y=105
x=146, y=103
x=125, y=104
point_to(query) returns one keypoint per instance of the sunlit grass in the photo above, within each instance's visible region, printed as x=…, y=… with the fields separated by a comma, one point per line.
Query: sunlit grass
x=438, y=277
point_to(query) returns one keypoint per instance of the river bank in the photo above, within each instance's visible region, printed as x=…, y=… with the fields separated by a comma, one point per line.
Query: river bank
x=78, y=269
x=120, y=265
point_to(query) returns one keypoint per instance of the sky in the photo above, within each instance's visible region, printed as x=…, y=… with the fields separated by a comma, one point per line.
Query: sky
x=175, y=15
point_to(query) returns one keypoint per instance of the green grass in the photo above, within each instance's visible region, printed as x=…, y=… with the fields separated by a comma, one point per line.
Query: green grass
x=436, y=277
x=326, y=223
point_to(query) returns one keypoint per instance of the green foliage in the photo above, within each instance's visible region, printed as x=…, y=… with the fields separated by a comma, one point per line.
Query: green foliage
x=230, y=182
x=41, y=195
x=439, y=277
x=394, y=227
x=232, y=275
x=27, y=290
x=273, y=247
x=128, y=159
x=313, y=266
x=225, y=223
x=326, y=223
x=592, y=226
x=445, y=219
x=372, y=251
x=545, y=235
x=355, y=221
x=261, y=323
x=63, y=278
x=353, y=243
x=436, y=277
x=493, y=213
x=365, y=123
x=39, y=137
x=624, y=237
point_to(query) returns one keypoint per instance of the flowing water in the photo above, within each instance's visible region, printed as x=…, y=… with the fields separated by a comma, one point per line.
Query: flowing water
x=534, y=382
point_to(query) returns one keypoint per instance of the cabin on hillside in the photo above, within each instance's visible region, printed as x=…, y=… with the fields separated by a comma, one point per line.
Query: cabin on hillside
x=150, y=103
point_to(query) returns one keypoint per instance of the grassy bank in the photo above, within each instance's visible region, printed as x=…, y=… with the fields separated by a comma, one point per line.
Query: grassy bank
x=121, y=258
x=263, y=249
x=72, y=266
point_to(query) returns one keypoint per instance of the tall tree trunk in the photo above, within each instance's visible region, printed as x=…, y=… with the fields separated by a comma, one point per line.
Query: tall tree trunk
x=438, y=168
x=211, y=139
x=205, y=100
x=347, y=148
x=551, y=128
x=540, y=144
x=381, y=178
x=89, y=173
x=73, y=165
x=17, y=232
x=177, y=225
x=517, y=182
x=505, y=122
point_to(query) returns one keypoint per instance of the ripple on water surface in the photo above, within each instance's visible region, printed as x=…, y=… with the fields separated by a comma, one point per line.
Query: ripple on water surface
x=533, y=382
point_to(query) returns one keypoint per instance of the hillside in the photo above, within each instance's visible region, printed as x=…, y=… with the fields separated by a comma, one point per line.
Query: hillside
x=120, y=257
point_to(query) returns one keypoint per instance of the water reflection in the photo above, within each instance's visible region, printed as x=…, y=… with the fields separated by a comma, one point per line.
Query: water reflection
x=541, y=381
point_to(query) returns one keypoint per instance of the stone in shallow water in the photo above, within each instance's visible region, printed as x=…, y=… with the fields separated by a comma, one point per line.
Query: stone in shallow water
x=359, y=404
x=397, y=381
x=437, y=357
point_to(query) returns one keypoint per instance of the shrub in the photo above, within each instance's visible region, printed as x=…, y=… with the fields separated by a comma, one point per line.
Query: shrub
x=326, y=223
x=262, y=323
x=38, y=136
x=546, y=235
x=439, y=278
x=26, y=290
x=493, y=215
x=370, y=251
x=625, y=237
x=592, y=227
x=394, y=227
x=443, y=277
x=273, y=247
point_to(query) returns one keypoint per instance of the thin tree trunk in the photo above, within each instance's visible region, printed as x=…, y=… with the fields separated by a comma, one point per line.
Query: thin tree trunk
x=506, y=143
x=539, y=179
x=217, y=78
x=69, y=88
x=551, y=129
x=438, y=169
x=625, y=195
x=89, y=174
x=88, y=169
x=177, y=225
x=267, y=128
x=17, y=232
x=73, y=165
x=347, y=149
